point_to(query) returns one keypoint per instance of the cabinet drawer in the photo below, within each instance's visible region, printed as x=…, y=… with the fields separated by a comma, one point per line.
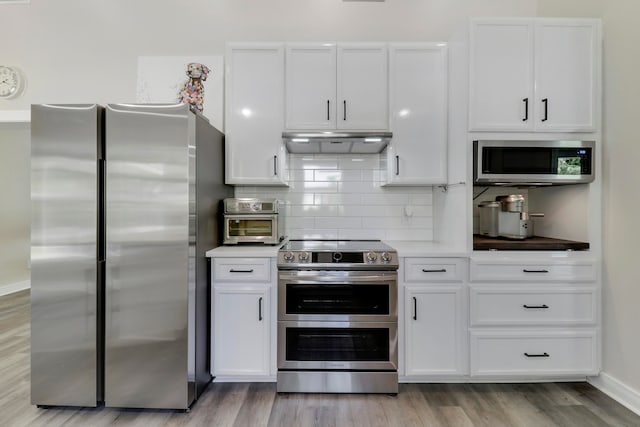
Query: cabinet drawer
x=528, y=306
x=242, y=269
x=545, y=271
x=433, y=269
x=519, y=353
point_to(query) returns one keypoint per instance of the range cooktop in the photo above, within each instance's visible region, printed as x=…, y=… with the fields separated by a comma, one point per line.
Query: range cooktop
x=337, y=254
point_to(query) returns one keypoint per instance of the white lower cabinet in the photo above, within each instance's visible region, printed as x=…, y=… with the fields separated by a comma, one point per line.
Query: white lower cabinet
x=434, y=330
x=241, y=345
x=523, y=327
x=243, y=320
x=434, y=318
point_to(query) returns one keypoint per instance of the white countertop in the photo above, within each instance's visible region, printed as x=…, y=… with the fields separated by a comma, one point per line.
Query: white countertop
x=245, y=251
x=405, y=248
x=408, y=248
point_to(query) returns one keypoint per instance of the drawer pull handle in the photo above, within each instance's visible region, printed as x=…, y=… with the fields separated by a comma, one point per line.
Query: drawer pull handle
x=535, y=271
x=545, y=354
x=260, y=309
x=415, y=308
x=535, y=306
x=438, y=270
x=241, y=271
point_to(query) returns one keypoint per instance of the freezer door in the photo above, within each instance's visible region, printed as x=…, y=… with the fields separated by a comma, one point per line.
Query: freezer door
x=64, y=251
x=147, y=259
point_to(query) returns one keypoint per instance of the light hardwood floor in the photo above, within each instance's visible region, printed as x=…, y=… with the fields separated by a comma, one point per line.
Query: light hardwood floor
x=258, y=404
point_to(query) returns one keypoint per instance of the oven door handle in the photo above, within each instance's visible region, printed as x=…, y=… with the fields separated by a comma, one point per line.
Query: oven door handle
x=296, y=279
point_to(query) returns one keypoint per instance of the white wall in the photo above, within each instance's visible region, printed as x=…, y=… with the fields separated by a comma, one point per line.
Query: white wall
x=621, y=175
x=14, y=205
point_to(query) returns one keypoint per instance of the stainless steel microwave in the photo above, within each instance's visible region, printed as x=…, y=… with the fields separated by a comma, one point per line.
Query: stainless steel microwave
x=533, y=163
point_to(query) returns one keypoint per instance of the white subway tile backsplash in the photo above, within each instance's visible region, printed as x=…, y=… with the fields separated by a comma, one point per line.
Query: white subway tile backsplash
x=340, y=197
x=339, y=222
x=338, y=175
x=361, y=162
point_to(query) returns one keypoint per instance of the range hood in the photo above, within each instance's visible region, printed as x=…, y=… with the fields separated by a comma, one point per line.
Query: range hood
x=330, y=142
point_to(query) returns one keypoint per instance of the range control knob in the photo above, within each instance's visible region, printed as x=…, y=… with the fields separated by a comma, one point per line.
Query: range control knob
x=288, y=256
x=303, y=256
x=371, y=257
x=386, y=257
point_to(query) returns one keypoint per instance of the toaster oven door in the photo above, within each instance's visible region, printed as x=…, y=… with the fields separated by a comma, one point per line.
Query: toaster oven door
x=251, y=228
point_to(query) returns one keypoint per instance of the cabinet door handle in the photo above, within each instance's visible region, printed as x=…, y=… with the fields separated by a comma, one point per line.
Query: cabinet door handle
x=241, y=271
x=535, y=306
x=328, y=106
x=260, y=309
x=397, y=165
x=437, y=270
x=526, y=109
x=344, y=110
x=415, y=308
x=275, y=165
x=524, y=270
x=545, y=354
x=545, y=102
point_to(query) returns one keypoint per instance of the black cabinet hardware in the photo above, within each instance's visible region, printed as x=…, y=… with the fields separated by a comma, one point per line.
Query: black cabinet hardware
x=397, y=165
x=328, y=104
x=241, y=271
x=535, y=306
x=344, y=110
x=275, y=165
x=526, y=109
x=545, y=354
x=534, y=271
x=415, y=308
x=545, y=102
x=260, y=309
x=437, y=270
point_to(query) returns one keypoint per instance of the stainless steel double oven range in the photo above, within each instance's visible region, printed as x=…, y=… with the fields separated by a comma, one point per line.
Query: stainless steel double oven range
x=337, y=317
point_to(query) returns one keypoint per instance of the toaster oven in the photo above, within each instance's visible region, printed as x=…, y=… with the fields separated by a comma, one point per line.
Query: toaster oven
x=248, y=220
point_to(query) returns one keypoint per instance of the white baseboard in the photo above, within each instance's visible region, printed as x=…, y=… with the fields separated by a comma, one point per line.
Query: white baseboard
x=14, y=287
x=617, y=390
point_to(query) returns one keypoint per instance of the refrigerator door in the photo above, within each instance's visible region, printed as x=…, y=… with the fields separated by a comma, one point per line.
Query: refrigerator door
x=65, y=289
x=147, y=256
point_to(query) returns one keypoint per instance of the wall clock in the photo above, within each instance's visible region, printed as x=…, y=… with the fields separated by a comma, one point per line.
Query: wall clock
x=12, y=82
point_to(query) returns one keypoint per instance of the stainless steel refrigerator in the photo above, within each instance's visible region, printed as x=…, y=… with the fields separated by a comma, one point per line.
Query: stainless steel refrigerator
x=125, y=202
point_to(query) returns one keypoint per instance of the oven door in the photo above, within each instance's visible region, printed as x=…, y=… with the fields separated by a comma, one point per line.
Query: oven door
x=338, y=296
x=367, y=346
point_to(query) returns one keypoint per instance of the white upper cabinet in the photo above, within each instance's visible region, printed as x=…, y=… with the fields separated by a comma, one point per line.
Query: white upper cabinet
x=254, y=115
x=418, y=86
x=566, y=55
x=311, y=86
x=534, y=75
x=340, y=86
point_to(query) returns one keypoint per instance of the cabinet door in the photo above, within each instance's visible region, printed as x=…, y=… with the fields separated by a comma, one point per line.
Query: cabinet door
x=362, y=87
x=434, y=330
x=418, y=91
x=311, y=86
x=241, y=339
x=501, y=75
x=254, y=83
x=566, y=58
